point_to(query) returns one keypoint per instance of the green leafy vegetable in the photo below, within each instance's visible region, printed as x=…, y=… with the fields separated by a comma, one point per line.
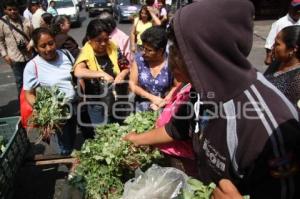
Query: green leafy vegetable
x=195, y=189
x=107, y=161
x=49, y=110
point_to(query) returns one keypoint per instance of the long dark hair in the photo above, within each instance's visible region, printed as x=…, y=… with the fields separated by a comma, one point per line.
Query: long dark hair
x=156, y=37
x=94, y=28
x=57, y=21
x=147, y=11
x=47, y=17
x=37, y=33
x=109, y=20
x=291, y=38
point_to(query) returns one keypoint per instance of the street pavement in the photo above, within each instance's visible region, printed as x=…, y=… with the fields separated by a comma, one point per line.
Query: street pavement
x=8, y=101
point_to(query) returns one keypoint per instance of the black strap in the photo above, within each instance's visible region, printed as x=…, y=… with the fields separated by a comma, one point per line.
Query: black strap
x=74, y=79
x=11, y=26
x=68, y=55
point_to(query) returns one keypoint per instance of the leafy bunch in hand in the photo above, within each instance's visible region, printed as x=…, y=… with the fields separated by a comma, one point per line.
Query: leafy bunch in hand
x=50, y=111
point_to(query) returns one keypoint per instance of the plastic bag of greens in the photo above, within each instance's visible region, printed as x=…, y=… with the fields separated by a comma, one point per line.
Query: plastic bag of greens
x=156, y=183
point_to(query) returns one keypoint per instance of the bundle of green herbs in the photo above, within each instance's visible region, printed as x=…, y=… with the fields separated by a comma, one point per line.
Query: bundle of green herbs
x=196, y=189
x=107, y=162
x=50, y=110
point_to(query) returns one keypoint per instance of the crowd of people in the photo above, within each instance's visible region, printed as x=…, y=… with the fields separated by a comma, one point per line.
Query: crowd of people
x=225, y=121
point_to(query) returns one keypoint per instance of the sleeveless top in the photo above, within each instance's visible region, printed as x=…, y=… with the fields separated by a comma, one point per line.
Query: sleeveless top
x=140, y=27
x=158, y=85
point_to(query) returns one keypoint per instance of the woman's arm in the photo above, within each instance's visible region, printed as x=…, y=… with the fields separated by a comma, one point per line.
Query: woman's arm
x=153, y=137
x=163, y=15
x=121, y=76
x=132, y=37
x=155, y=20
x=135, y=88
x=81, y=71
x=30, y=96
x=172, y=89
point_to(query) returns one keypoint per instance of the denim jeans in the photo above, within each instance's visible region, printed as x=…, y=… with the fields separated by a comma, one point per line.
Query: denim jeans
x=97, y=114
x=18, y=69
x=63, y=140
x=142, y=106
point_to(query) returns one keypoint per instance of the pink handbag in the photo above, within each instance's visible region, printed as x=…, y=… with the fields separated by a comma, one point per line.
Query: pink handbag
x=176, y=148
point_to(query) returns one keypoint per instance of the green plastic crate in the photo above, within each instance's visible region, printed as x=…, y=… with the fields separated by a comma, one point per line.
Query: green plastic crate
x=15, y=149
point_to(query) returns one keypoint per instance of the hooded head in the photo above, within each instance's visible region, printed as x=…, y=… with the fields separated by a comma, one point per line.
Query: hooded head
x=215, y=38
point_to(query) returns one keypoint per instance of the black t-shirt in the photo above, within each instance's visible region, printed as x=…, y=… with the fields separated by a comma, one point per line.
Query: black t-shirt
x=106, y=64
x=98, y=87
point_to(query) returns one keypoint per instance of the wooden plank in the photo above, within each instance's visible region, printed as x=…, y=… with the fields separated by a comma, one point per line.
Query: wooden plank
x=39, y=157
x=53, y=161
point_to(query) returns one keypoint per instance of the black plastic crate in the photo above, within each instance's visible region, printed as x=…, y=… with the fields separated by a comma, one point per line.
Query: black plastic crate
x=15, y=149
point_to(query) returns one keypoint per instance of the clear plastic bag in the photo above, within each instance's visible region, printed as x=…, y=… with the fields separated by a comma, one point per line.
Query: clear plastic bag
x=156, y=183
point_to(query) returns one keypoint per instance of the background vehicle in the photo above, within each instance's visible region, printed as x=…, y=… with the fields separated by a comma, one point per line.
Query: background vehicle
x=69, y=8
x=95, y=7
x=124, y=9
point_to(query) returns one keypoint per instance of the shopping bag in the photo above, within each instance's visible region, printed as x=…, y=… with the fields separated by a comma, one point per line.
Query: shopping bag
x=25, y=109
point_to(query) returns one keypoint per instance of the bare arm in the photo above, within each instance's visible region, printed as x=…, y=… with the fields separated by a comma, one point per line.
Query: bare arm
x=132, y=38
x=173, y=88
x=153, y=137
x=121, y=76
x=30, y=96
x=134, y=87
x=3, y=49
x=81, y=71
x=155, y=19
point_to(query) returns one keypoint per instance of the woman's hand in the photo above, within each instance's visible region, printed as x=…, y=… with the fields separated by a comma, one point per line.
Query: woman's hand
x=154, y=107
x=121, y=76
x=108, y=78
x=133, y=49
x=226, y=190
x=119, y=79
x=131, y=137
x=158, y=101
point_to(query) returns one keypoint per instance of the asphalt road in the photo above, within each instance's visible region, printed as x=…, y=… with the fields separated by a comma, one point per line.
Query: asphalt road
x=8, y=94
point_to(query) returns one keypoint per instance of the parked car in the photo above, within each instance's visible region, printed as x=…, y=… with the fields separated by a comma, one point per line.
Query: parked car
x=69, y=8
x=95, y=7
x=124, y=9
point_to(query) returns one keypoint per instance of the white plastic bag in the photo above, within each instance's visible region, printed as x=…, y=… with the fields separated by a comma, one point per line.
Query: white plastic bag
x=156, y=183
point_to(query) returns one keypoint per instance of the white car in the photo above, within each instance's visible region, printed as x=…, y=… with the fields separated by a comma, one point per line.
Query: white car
x=69, y=8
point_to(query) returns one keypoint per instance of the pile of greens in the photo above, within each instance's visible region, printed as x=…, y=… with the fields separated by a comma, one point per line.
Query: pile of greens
x=195, y=189
x=2, y=144
x=107, y=161
x=49, y=110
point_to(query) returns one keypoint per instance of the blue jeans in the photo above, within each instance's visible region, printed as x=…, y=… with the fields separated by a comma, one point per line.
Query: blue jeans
x=142, y=106
x=97, y=114
x=18, y=69
x=63, y=140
